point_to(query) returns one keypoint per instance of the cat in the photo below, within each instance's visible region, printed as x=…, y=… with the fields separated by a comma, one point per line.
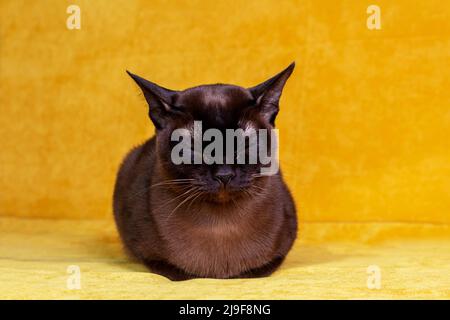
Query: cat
x=187, y=221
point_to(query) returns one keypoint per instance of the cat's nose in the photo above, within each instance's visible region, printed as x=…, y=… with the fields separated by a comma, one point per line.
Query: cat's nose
x=224, y=175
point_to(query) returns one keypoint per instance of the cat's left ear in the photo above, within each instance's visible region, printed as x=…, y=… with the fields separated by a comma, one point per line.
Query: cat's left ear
x=268, y=93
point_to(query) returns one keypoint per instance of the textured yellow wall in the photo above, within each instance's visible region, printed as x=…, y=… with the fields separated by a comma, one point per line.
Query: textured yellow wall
x=364, y=122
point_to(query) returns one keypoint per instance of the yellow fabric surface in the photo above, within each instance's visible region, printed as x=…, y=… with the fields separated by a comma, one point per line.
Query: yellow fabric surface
x=35, y=255
x=364, y=128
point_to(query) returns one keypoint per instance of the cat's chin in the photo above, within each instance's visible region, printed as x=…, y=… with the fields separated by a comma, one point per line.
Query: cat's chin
x=223, y=197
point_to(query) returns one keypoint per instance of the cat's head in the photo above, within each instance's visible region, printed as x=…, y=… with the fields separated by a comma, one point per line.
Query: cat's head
x=219, y=107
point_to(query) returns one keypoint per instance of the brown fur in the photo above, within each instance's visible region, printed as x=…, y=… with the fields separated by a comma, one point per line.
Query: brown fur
x=219, y=234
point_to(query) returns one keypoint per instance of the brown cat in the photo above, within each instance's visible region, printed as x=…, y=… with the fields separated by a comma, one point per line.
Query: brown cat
x=205, y=220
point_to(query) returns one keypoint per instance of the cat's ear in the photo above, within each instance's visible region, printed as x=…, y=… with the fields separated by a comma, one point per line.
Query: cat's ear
x=268, y=93
x=159, y=100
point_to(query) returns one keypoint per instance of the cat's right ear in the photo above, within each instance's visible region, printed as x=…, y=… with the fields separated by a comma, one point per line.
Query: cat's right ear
x=268, y=93
x=159, y=100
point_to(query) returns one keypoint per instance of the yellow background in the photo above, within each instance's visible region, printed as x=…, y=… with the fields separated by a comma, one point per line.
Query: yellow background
x=364, y=128
x=364, y=119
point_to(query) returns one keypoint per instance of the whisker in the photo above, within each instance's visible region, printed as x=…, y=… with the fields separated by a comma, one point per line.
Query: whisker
x=258, y=188
x=170, y=184
x=174, y=181
x=199, y=193
x=162, y=183
x=180, y=204
x=177, y=197
x=145, y=190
